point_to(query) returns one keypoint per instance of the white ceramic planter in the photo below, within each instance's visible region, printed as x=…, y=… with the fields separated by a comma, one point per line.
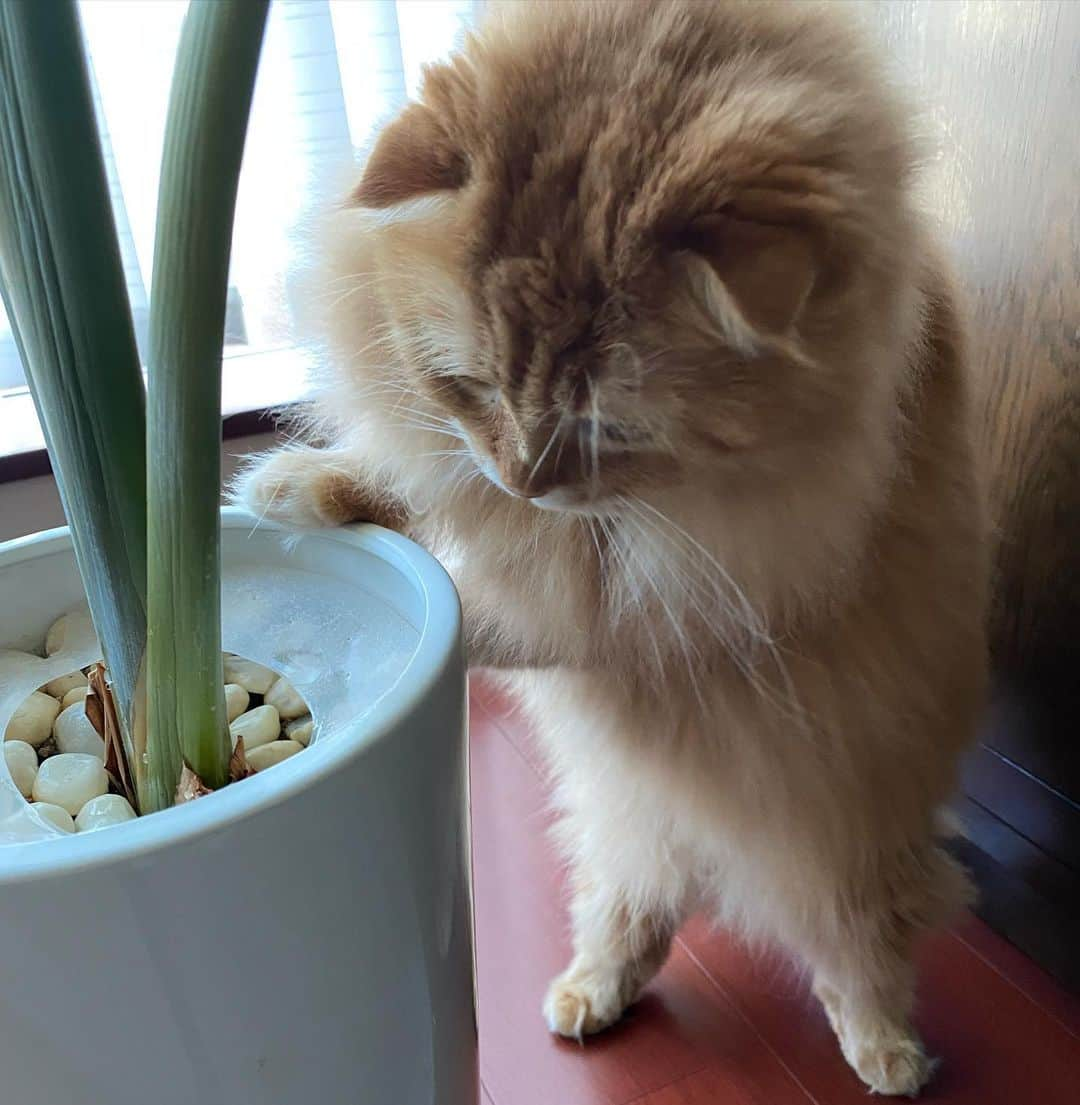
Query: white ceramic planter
x=302, y=937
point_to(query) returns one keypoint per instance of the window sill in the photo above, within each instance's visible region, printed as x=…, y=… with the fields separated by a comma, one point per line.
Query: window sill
x=255, y=385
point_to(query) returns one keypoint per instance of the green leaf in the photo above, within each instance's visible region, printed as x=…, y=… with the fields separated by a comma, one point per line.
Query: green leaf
x=63, y=286
x=208, y=112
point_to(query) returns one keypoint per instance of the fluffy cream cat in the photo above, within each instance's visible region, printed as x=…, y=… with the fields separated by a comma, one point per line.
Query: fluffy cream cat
x=632, y=321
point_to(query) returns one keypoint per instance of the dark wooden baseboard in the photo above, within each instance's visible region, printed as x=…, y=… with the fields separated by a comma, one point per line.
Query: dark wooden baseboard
x=1022, y=823
x=1043, y=928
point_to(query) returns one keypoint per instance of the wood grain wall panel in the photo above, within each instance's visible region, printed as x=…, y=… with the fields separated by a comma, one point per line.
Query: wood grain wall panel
x=999, y=82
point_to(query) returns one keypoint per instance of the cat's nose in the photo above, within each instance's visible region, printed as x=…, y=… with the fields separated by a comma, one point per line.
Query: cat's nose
x=522, y=480
x=522, y=489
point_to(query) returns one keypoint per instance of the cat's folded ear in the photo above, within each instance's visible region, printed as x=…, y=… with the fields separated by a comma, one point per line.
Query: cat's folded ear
x=413, y=157
x=761, y=273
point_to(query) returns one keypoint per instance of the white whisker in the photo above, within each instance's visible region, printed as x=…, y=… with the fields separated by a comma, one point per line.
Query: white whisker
x=628, y=579
x=751, y=620
x=266, y=509
x=444, y=453
x=594, y=425
x=547, y=449
x=591, y=527
x=689, y=651
x=753, y=626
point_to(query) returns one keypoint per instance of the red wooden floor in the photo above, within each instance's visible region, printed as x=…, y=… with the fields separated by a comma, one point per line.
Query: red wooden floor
x=719, y=1027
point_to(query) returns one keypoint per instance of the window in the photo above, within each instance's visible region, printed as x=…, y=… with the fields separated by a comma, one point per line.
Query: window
x=331, y=71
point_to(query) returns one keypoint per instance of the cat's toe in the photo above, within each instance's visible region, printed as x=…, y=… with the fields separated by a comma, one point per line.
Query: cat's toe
x=895, y=1068
x=283, y=486
x=267, y=487
x=579, y=1004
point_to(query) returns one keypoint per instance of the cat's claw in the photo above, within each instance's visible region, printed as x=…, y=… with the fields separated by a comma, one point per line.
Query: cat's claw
x=581, y=1003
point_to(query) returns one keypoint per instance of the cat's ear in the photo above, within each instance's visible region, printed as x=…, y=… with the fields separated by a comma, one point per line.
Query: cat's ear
x=766, y=270
x=413, y=156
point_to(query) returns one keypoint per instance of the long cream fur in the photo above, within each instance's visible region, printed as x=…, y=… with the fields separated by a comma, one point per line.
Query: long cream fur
x=633, y=322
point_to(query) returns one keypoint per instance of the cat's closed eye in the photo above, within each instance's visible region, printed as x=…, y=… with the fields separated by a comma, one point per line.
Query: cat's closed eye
x=616, y=434
x=477, y=392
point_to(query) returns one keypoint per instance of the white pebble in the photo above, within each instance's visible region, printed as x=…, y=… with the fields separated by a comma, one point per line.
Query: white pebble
x=75, y=625
x=266, y=755
x=236, y=700
x=76, y=694
x=299, y=730
x=251, y=676
x=70, y=780
x=259, y=726
x=22, y=765
x=74, y=732
x=33, y=720
x=287, y=699
x=64, y=683
x=55, y=815
x=101, y=812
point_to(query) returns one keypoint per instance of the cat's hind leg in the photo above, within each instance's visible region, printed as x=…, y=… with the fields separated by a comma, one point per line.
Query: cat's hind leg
x=618, y=947
x=865, y=978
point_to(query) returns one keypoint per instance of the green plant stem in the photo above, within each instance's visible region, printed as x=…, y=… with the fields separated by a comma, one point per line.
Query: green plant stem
x=63, y=286
x=208, y=112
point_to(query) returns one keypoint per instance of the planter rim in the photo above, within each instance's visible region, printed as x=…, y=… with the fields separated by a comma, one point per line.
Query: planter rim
x=437, y=646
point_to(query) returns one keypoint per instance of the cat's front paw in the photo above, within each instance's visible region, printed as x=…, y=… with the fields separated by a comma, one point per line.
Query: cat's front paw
x=282, y=486
x=307, y=487
x=581, y=1002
